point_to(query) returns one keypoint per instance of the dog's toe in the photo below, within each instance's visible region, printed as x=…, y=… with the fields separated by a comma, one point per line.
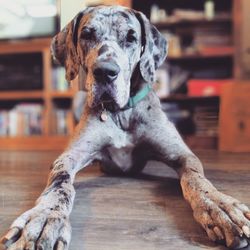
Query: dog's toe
x=56, y=234
x=224, y=219
x=40, y=229
x=11, y=236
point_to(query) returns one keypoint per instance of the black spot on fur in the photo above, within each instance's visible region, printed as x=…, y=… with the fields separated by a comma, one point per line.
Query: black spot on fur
x=150, y=47
x=59, y=178
x=72, y=74
x=63, y=193
x=103, y=49
x=149, y=107
x=150, y=71
x=75, y=28
x=154, y=31
x=124, y=14
x=156, y=58
x=64, y=200
x=58, y=166
x=57, y=208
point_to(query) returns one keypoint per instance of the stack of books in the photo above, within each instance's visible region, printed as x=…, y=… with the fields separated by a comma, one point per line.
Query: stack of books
x=212, y=37
x=59, y=81
x=62, y=122
x=24, y=119
x=206, y=120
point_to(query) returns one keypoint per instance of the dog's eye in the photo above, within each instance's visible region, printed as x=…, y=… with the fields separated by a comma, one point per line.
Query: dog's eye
x=88, y=34
x=131, y=37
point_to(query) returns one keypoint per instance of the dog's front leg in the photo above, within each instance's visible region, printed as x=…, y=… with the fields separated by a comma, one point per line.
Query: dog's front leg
x=223, y=217
x=46, y=226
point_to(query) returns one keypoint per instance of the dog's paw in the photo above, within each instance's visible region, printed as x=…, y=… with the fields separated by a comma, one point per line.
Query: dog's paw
x=42, y=229
x=225, y=219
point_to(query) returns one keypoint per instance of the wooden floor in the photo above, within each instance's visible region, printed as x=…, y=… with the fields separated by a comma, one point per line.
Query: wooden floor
x=112, y=213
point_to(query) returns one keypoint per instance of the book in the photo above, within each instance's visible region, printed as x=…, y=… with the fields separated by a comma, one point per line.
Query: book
x=58, y=79
x=206, y=87
x=24, y=119
x=62, y=122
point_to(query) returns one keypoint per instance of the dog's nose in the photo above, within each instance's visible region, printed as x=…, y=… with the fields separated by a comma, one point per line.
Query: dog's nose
x=106, y=71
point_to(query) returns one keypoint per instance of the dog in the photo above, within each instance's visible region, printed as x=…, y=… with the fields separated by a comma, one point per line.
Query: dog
x=115, y=52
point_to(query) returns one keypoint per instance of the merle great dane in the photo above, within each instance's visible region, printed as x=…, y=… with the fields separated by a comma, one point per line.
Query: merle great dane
x=115, y=52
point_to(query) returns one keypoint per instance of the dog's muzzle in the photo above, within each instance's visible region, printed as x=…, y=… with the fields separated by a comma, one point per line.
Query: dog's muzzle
x=106, y=72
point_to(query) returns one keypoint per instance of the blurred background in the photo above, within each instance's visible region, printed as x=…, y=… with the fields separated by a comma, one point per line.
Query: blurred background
x=204, y=84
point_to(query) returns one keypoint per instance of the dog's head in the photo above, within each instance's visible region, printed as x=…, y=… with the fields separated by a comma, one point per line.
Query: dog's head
x=104, y=46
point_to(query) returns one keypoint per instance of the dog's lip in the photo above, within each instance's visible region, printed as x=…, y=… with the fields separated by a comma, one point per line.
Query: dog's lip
x=110, y=106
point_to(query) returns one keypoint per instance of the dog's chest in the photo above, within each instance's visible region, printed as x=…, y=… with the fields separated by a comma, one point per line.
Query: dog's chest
x=120, y=152
x=121, y=157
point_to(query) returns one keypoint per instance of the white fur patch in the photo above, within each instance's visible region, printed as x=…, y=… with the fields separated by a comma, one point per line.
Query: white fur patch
x=122, y=157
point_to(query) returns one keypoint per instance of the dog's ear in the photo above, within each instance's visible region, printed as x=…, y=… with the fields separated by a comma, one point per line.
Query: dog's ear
x=64, y=47
x=154, y=48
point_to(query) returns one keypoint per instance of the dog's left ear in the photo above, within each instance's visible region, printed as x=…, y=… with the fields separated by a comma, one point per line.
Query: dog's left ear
x=64, y=47
x=154, y=50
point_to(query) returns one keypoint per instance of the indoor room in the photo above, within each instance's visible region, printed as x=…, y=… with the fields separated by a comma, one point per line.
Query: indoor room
x=124, y=124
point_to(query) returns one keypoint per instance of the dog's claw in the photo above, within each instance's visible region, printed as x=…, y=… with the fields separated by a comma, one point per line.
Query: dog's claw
x=211, y=235
x=247, y=214
x=11, y=236
x=240, y=243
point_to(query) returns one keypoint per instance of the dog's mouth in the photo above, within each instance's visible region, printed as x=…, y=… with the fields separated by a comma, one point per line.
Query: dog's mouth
x=108, y=103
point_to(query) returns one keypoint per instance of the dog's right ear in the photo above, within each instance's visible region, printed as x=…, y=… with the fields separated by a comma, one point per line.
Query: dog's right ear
x=64, y=46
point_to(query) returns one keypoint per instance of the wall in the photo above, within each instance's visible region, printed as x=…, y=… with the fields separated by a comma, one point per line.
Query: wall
x=69, y=10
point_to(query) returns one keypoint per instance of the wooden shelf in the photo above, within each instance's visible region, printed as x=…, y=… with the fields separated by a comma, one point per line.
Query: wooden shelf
x=18, y=95
x=184, y=98
x=34, y=143
x=174, y=23
x=46, y=141
x=223, y=51
x=62, y=94
x=25, y=46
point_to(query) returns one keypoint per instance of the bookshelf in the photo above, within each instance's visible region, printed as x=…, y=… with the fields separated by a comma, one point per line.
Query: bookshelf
x=211, y=56
x=204, y=48
x=48, y=98
x=171, y=24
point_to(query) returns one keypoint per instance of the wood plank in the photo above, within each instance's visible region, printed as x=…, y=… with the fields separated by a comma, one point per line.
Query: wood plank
x=34, y=142
x=24, y=46
x=47, y=83
x=17, y=95
x=234, y=122
x=217, y=52
x=115, y=213
x=186, y=98
x=242, y=39
x=198, y=22
x=62, y=94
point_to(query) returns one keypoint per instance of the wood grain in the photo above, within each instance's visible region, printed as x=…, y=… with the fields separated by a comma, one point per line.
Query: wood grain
x=56, y=142
x=114, y=213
